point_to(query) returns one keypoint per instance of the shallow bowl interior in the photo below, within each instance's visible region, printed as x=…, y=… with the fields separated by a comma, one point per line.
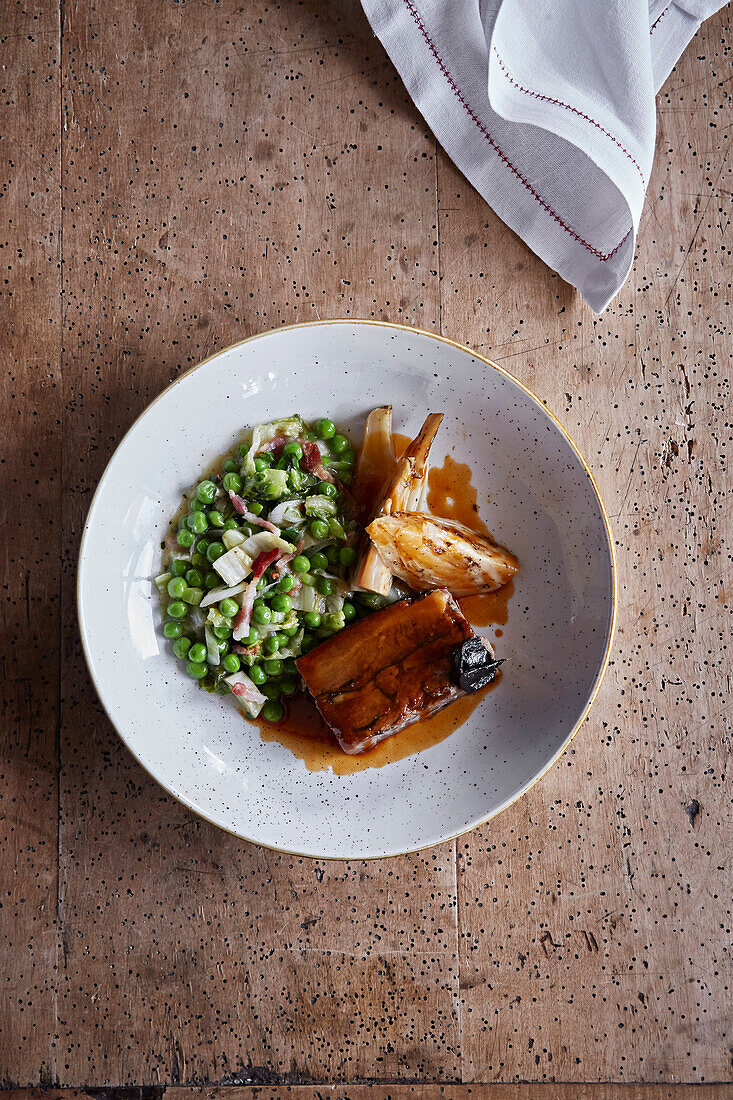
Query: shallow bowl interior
x=535, y=494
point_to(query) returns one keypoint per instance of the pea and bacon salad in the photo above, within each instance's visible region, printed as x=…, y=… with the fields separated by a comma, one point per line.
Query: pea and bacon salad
x=255, y=574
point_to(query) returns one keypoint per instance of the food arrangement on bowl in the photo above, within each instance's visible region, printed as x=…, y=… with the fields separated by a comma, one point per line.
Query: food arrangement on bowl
x=299, y=565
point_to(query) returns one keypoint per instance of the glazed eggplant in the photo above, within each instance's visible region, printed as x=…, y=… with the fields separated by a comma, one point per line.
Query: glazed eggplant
x=427, y=552
x=390, y=669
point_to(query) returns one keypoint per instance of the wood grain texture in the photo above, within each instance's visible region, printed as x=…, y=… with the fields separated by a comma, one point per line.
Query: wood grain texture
x=30, y=473
x=229, y=167
x=396, y=1092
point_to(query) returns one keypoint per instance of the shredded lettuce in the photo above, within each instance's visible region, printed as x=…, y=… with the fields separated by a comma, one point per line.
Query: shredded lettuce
x=287, y=514
x=232, y=539
x=268, y=484
x=299, y=480
x=320, y=507
x=261, y=542
x=291, y=428
x=212, y=649
x=235, y=565
x=161, y=581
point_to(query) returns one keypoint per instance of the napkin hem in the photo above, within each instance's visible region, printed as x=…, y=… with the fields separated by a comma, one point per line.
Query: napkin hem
x=524, y=210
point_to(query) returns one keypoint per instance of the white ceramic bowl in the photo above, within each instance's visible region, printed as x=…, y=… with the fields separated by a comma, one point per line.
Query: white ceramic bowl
x=542, y=503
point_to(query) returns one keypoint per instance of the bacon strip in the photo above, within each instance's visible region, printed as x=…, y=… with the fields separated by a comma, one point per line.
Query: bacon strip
x=241, y=508
x=312, y=460
x=244, y=616
x=274, y=446
x=263, y=562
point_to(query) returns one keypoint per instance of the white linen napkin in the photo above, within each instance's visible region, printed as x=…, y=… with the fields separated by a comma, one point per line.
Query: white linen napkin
x=547, y=107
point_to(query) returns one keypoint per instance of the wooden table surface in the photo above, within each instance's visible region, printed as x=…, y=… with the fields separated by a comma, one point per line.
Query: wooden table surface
x=176, y=176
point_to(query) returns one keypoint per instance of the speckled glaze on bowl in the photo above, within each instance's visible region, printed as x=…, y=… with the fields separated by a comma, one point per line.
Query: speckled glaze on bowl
x=540, y=500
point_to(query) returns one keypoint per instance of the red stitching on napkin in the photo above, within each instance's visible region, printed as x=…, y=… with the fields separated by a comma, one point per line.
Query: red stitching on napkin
x=568, y=107
x=602, y=256
x=659, y=18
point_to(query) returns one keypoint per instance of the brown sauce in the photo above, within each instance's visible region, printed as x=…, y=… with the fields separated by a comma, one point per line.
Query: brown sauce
x=304, y=732
x=451, y=496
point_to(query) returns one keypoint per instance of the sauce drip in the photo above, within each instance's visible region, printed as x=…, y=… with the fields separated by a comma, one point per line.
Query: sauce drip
x=450, y=496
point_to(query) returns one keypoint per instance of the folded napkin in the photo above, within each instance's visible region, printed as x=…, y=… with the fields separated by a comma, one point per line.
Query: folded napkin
x=547, y=107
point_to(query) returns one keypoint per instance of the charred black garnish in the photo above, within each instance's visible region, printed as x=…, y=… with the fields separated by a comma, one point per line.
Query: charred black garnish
x=474, y=666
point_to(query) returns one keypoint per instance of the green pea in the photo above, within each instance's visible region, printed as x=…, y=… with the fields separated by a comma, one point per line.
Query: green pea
x=261, y=463
x=270, y=689
x=282, y=603
x=255, y=507
x=202, y=546
x=325, y=586
x=216, y=519
x=232, y=483
x=197, y=653
x=312, y=619
x=243, y=450
x=193, y=596
x=348, y=458
x=206, y=492
x=197, y=670
x=231, y=663
x=230, y=524
x=285, y=584
x=347, y=555
x=324, y=429
x=290, y=666
x=179, y=567
x=349, y=611
x=301, y=564
x=293, y=449
x=229, y=466
x=196, y=506
x=272, y=666
x=212, y=579
x=229, y=608
x=309, y=643
x=290, y=534
x=326, y=489
x=307, y=579
x=181, y=647
x=172, y=629
x=338, y=444
x=252, y=638
x=369, y=599
x=261, y=583
x=222, y=645
x=270, y=645
x=184, y=538
x=289, y=631
x=288, y=685
x=318, y=528
x=199, y=561
x=332, y=555
x=197, y=522
x=176, y=587
x=282, y=636
x=261, y=613
x=335, y=621
x=319, y=561
x=194, y=578
x=215, y=551
x=177, y=610
x=222, y=632
x=257, y=674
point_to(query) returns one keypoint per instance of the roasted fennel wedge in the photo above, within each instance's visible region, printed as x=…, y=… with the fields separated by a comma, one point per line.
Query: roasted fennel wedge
x=403, y=491
x=427, y=552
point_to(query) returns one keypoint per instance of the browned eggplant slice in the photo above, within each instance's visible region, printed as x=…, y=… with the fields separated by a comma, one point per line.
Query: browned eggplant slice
x=388, y=670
